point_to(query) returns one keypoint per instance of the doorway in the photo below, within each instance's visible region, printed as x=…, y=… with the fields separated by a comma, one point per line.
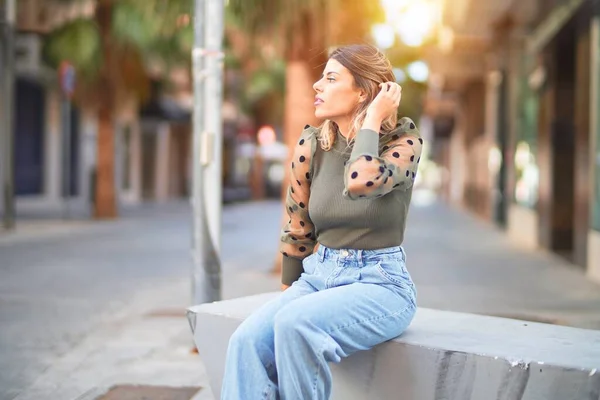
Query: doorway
x=29, y=137
x=148, y=164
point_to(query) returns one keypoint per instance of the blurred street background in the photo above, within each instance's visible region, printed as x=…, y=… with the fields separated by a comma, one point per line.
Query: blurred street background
x=97, y=166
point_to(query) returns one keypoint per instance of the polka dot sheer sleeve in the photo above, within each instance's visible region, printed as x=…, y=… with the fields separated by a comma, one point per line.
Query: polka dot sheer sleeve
x=379, y=166
x=298, y=235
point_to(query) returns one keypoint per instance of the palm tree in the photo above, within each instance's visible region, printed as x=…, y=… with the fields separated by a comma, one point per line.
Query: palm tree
x=302, y=31
x=111, y=52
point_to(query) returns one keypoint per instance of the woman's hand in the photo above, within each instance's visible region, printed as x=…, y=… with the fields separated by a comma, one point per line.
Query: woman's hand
x=284, y=287
x=386, y=102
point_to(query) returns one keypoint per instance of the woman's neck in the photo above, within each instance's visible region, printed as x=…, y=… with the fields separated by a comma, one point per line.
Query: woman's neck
x=344, y=125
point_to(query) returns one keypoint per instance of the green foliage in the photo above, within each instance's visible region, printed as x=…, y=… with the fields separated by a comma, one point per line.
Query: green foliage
x=275, y=21
x=270, y=78
x=162, y=30
x=158, y=31
x=262, y=16
x=346, y=20
x=132, y=25
x=79, y=43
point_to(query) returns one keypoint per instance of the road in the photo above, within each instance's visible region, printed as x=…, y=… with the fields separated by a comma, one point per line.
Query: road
x=67, y=288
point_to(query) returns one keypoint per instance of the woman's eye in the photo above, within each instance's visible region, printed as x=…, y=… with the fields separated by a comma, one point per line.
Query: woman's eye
x=331, y=79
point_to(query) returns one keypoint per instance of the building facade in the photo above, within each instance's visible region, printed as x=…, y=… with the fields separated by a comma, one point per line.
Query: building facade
x=54, y=173
x=514, y=98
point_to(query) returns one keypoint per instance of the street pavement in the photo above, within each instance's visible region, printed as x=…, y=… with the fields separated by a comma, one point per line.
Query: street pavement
x=86, y=306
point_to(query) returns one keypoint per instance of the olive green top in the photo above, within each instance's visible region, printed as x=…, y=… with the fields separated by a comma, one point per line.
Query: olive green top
x=349, y=197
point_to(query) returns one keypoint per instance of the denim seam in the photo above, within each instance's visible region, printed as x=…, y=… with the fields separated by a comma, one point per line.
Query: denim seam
x=328, y=333
x=391, y=278
x=410, y=286
x=370, y=319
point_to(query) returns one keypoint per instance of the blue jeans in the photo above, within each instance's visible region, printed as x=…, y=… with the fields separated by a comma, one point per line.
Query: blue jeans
x=345, y=301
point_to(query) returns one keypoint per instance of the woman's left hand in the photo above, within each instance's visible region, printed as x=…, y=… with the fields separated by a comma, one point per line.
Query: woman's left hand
x=386, y=102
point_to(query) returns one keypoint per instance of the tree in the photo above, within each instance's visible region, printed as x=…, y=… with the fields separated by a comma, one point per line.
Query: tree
x=302, y=31
x=112, y=52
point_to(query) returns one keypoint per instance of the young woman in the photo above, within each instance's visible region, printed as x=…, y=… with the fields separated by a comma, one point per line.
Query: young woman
x=351, y=185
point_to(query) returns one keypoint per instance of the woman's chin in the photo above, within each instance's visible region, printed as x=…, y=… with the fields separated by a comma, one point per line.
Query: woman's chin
x=320, y=114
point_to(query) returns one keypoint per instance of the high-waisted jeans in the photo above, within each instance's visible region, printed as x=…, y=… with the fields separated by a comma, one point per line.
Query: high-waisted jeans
x=345, y=301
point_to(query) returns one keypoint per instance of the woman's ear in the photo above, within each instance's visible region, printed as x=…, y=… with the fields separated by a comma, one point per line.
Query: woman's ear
x=362, y=96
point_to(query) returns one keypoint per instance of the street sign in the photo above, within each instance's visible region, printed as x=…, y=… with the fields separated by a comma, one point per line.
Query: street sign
x=66, y=74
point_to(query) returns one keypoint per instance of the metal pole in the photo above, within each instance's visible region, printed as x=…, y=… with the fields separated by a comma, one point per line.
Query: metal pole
x=6, y=123
x=207, y=148
x=67, y=155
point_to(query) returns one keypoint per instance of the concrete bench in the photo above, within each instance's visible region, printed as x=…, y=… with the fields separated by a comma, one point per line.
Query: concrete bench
x=442, y=356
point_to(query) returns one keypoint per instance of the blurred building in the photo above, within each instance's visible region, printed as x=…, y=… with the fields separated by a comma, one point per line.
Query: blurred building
x=38, y=146
x=514, y=106
x=152, y=140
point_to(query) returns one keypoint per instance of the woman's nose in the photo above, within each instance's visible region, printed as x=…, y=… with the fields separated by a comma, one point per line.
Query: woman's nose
x=317, y=86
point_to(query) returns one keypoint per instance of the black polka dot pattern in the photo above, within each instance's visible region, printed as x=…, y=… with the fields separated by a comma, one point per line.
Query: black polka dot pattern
x=375, y=175
x=298, y=238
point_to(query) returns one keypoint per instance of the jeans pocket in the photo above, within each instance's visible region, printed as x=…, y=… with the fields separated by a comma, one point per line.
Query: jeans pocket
x=309, y=263
x=394, y=271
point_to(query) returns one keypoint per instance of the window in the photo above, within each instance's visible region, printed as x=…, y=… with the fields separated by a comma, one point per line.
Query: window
x=526, y=167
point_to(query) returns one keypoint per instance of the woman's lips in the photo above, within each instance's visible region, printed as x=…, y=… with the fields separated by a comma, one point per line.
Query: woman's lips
x=318, y=101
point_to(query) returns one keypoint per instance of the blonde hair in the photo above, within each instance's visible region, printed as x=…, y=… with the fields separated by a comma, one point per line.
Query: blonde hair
x=369, y=67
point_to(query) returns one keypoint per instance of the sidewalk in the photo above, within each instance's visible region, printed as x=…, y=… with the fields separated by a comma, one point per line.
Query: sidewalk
x=461, y=263
x=103, y=304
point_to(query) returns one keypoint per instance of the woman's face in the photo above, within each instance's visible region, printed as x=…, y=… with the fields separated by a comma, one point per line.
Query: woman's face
x=337, y=96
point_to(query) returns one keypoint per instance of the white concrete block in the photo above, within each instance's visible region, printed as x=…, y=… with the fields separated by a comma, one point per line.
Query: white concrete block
x=442, y=355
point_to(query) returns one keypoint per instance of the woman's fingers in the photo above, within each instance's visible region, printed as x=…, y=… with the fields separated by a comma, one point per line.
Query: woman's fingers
x=398, y=94
x=395, y=91
x=388, y=98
